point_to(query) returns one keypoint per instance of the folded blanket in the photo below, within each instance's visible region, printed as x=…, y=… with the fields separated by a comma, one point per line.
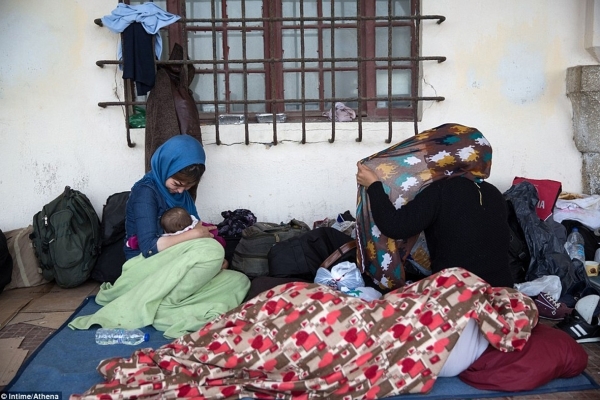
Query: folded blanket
x=304, y=340
x=176, y=291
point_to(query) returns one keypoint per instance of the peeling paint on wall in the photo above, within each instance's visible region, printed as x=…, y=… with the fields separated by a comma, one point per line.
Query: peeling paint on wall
x=80, y=183
x=522, y=74
x=473, y=81
x=45, y=178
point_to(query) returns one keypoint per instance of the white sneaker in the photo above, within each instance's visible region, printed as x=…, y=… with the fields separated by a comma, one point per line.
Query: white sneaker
x=586, y=306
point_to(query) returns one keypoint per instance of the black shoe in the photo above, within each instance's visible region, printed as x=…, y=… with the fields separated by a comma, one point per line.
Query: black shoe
x=579, y=329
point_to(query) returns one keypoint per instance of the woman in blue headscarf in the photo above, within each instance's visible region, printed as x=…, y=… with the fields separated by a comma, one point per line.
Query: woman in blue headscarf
x=174, y=283
x=177, y=165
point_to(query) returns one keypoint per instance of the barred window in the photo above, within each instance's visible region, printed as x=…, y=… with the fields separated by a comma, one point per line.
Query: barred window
x=297, y=58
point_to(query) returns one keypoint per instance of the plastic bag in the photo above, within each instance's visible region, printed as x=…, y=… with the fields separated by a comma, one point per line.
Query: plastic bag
x=138, y=118
x=347, y=227
x=548, y=255
x=548, y=284
x=419, y=255
x=344, y=274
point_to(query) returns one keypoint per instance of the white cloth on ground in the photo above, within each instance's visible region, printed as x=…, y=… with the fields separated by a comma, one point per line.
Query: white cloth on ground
x=470, y=346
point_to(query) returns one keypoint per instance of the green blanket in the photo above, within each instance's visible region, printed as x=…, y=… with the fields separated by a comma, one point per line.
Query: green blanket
x=176, y=291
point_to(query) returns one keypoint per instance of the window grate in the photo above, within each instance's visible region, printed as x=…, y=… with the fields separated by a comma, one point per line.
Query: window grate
x=321, y=55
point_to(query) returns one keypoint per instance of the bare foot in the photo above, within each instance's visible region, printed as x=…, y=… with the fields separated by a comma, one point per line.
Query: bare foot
x=225, y=264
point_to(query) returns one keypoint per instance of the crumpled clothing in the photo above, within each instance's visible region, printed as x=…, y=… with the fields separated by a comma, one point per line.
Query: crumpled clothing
x=151, y=16
x=548, y=255
x=584, y=209
x=343, y=113
x=235, y=222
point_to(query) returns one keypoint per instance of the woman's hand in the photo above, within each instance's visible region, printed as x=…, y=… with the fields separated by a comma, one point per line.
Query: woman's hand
x=365, y=176
x=199, y=231
x=203, y=231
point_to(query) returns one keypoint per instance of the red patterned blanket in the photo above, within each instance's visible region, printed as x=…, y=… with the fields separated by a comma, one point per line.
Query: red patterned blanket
x=303, y=340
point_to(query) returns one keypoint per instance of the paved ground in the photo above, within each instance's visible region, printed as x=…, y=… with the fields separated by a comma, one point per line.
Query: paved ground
x=63, y=300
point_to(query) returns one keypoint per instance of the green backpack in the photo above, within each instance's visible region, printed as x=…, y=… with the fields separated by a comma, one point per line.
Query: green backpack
x=66, y=238
x=251, y=253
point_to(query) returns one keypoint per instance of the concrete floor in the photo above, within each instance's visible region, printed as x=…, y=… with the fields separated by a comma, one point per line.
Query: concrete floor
x=51, y=306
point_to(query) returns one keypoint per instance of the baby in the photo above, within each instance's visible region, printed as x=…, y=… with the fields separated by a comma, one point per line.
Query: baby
x=177, y=220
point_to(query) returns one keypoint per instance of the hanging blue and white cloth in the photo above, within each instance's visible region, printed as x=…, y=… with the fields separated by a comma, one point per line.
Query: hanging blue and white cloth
x=149, y=15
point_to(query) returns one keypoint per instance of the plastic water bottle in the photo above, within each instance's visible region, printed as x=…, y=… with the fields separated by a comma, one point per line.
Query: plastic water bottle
x=121, y=336
x=574, y=245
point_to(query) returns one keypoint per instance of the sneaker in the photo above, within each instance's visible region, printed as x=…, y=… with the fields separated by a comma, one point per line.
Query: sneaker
x=586, y=306
x=548, y=308
x=579, y=329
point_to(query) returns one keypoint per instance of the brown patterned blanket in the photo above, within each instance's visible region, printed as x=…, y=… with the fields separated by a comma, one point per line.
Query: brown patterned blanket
x=304, y=341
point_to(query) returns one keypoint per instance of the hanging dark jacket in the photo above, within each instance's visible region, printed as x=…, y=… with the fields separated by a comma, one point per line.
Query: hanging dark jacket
x=171, y=109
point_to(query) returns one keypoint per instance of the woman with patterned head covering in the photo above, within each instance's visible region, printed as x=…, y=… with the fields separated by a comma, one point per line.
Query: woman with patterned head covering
x=432, y=183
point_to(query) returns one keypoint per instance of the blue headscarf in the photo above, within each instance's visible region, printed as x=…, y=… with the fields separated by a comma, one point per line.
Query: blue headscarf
x=171, y=157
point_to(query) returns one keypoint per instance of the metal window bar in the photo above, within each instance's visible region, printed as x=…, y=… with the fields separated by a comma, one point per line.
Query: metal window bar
x=415, y=45
x=245, y=77
x=332, y=38
x=389, y=72
x=303, y=67
x=271, y=25
x=361, y=68
x=215, y=75
x=128, y=89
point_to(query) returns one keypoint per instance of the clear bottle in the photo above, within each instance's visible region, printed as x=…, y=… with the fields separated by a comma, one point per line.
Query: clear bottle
x=121, y=336
x=574, y=245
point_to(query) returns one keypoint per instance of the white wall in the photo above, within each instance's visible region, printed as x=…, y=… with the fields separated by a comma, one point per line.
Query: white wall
x=505, y=75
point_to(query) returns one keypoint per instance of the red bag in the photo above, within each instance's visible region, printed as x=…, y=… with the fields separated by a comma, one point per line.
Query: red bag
x=548, y=191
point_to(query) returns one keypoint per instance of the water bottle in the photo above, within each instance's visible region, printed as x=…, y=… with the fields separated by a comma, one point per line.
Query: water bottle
x=121, y=336
x=574, y=245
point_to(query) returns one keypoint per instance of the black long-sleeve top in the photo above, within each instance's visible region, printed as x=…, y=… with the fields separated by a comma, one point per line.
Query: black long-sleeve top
x=465, y=225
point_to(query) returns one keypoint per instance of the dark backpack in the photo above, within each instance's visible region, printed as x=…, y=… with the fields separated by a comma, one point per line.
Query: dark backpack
x=66, y=238
x=6, y=263
x=250, y=255
x=112, y=226
x=300, y=256
x=518, y=250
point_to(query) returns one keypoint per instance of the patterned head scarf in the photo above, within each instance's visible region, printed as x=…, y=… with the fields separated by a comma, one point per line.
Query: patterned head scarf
x=172, y=156
x=448, y=151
